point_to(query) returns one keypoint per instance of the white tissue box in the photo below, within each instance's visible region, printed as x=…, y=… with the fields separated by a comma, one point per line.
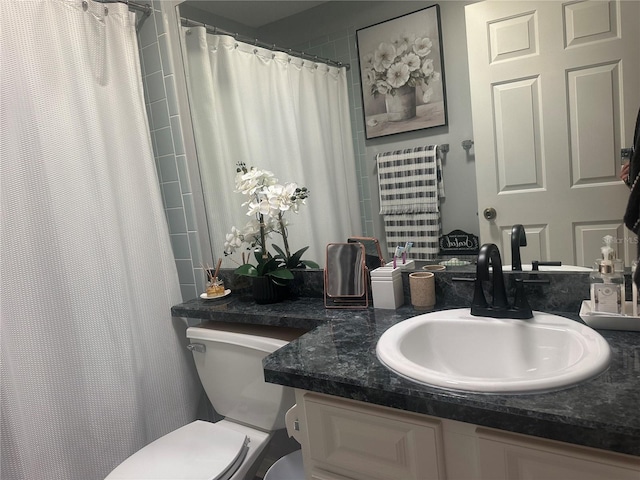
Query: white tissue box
x=386, y=288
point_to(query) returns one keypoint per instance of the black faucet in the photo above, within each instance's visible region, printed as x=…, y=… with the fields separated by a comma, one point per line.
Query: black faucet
x=500, y=307
x=518, y=239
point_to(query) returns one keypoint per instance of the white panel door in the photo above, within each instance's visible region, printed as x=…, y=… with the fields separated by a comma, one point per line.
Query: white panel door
x=555, y=89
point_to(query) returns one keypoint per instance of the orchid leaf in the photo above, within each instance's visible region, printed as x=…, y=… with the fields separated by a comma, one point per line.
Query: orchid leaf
x=310, y=264
x=280, y=251
x=266, y=267
x=294, y=261
x=246, y=270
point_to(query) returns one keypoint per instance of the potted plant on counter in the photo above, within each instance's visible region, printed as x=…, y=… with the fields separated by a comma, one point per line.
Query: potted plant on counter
x=268, y=202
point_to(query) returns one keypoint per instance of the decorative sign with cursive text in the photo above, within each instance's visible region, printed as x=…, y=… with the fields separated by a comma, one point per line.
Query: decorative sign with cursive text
x=458, y=242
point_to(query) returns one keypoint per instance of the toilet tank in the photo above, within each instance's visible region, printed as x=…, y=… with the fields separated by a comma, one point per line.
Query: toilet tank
x=230, y=368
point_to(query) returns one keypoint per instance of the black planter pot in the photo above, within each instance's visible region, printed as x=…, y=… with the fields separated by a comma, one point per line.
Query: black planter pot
x=265, y=291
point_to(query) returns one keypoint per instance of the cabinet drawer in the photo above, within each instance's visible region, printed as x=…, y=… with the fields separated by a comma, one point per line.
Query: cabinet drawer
x=505, y=456
x=367, y=442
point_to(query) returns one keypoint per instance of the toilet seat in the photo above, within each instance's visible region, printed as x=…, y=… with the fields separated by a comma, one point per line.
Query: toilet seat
x=197, y=451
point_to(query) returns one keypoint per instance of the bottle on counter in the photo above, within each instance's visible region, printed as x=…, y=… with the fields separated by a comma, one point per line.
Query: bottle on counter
x=607, y=284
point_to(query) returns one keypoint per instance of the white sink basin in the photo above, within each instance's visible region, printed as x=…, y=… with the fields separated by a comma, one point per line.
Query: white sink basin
x=453, y=349
x=550, y=268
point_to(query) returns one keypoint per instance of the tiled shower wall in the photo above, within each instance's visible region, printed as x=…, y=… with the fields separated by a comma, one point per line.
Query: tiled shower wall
x=168, y=147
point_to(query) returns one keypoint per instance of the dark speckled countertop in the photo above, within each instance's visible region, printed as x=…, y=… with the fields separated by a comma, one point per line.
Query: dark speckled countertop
x=337, y=357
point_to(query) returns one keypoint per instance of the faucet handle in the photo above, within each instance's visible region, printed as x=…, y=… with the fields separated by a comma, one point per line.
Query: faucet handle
x=537, y=263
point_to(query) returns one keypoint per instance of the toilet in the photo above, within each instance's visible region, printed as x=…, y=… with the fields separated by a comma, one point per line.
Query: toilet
x=228, y=359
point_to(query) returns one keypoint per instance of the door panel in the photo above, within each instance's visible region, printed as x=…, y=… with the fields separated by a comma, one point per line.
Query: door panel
x=590, y=22
x=554, y=91
x=588, y=238
x=594, y=89
x=517, y=141
x=537, y=244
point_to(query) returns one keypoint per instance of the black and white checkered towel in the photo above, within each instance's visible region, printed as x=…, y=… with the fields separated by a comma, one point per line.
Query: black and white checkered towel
x=410, y=180
x=410, y=185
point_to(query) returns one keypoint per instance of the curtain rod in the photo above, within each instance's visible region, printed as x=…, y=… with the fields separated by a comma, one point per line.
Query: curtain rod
x=145, y=9
x=254, y=41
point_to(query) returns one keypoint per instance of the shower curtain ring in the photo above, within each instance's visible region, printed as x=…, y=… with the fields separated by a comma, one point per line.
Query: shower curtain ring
x=85, y=5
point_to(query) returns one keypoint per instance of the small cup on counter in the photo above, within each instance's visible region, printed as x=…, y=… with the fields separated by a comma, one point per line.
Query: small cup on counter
x=422, y=286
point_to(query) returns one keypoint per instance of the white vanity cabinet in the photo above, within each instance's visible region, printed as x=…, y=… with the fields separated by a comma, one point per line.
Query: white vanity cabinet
x=349, y=440
x=343, y=439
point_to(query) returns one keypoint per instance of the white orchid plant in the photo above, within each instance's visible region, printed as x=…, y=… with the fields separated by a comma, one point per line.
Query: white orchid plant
x=268, y=203
x=404, y=61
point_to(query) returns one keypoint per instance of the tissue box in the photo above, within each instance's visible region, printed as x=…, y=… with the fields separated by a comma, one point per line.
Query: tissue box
x=386, y=288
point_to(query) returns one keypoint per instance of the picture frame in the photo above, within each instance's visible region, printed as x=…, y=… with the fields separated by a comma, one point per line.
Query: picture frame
x=402, y=74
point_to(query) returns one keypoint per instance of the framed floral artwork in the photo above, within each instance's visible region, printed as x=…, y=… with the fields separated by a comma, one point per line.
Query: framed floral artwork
x=402, y=74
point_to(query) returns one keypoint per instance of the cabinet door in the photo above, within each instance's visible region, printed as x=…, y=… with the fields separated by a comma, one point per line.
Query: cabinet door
x=365, y=442
x=505, y=456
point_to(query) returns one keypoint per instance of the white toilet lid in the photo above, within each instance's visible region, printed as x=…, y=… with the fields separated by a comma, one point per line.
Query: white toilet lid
x=197, y=451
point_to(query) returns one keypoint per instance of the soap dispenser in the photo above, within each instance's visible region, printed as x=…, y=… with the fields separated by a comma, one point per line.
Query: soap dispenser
x=607, y=284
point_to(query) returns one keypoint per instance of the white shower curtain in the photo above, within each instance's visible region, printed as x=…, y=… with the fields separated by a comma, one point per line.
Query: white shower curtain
x=93, y=365
x=279, y=113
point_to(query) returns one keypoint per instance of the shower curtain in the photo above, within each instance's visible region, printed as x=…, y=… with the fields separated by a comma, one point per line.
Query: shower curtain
x=274, y=112
x=93, y=365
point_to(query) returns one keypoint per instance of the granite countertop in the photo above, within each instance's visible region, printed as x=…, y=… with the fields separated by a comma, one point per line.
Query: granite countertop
x=336, y=356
